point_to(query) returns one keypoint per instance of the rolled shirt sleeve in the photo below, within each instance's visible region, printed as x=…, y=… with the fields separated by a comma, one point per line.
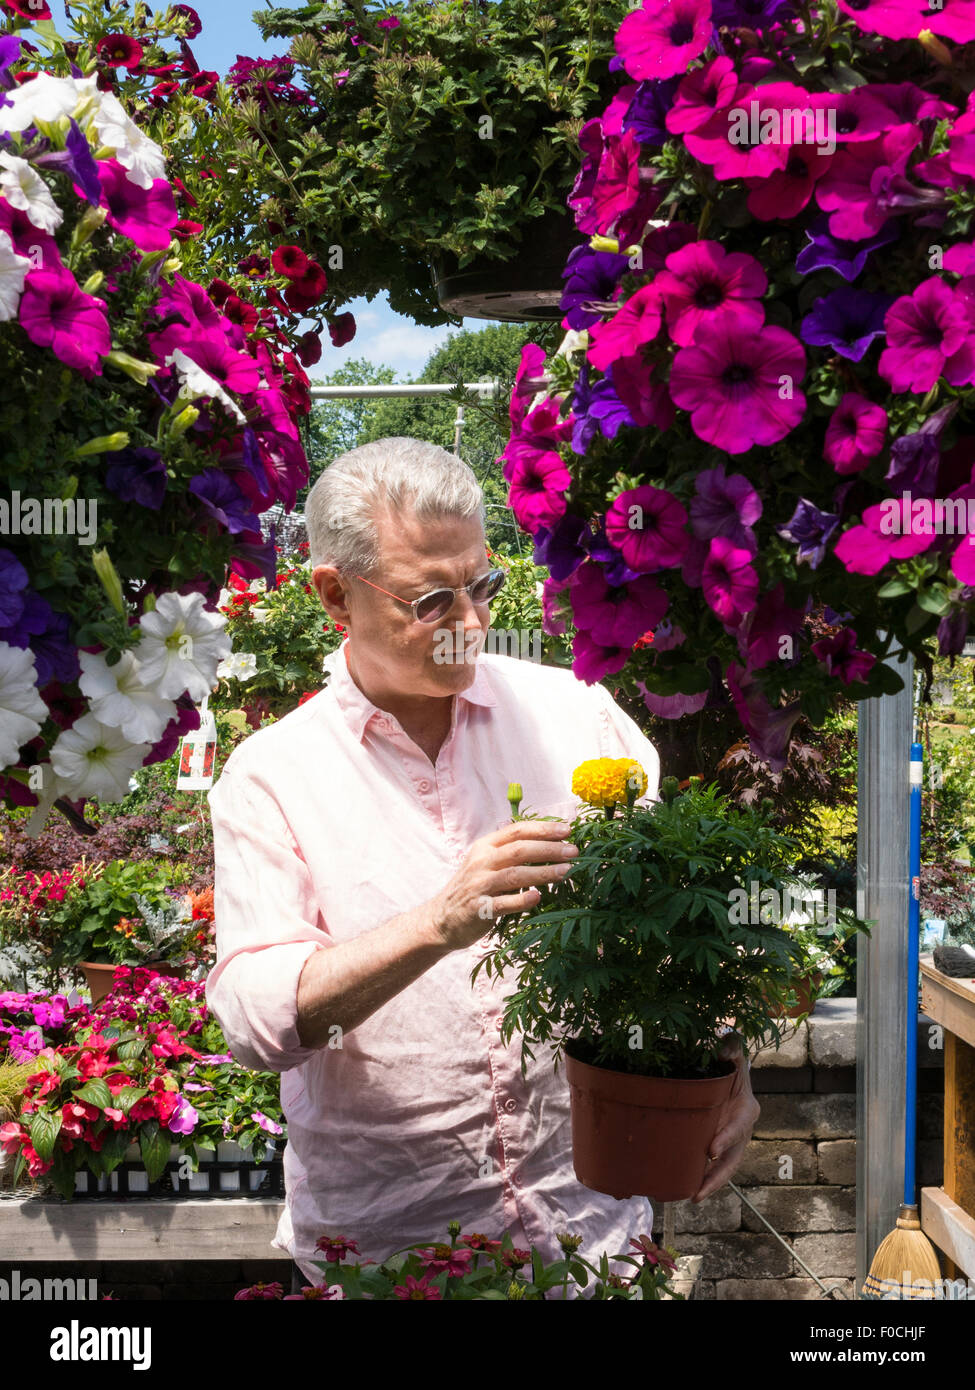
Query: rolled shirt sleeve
x=267, y=923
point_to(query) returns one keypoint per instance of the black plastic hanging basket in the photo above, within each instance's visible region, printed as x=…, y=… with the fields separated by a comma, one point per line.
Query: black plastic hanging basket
x=527, y=287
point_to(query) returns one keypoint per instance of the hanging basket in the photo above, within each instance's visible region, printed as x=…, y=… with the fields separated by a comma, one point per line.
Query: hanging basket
x=527, y=287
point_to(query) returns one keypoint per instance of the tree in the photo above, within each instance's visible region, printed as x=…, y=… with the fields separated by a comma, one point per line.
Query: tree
x=334, y=427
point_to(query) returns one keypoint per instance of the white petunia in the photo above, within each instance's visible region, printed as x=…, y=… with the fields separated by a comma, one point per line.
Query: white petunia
x=91, y=759
x=45, y=98
x=13, y=270
x=194, y=381
x=22, y=711
x=119, y=698
x=23, y=188
x=182, y=646
x=239, y=666
x=141, y=157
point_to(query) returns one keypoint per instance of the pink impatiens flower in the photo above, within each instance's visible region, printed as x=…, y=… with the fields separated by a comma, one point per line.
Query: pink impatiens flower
x=56, y=314
x=662, y=38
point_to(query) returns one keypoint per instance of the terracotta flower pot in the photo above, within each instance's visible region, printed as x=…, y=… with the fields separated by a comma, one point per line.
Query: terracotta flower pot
x=644, y=1136
x=805, y=1003
x=98, y=975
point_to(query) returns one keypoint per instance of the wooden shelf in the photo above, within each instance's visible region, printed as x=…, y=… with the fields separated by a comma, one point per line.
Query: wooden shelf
x=949, y=1227
x=232, y=1228
x=949, y=1001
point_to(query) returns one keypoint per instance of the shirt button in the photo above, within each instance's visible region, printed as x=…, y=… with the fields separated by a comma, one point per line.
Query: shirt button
x=515, y=1180
x=510, y=1105
x=499, y=1023
x=424, y=786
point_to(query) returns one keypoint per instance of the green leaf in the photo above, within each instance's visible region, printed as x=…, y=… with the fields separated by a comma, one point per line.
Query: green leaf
x=44, y=1130
x=154, y=1144
x=95, y=1092
x=894, y=588
x=127, y=1096
x=114, y=1144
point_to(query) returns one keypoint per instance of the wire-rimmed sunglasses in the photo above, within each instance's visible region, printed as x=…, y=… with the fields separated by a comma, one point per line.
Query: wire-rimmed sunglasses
x=431, y=607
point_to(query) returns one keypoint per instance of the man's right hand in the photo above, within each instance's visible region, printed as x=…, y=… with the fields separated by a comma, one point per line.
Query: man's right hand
x=498, y=876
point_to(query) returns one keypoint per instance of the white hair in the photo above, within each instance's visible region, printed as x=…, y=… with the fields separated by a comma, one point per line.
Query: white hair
x=394, y=474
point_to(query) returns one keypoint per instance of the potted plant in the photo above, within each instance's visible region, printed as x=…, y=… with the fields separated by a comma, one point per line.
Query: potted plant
x=751, y=439
x=632, y=964
x=444, y=131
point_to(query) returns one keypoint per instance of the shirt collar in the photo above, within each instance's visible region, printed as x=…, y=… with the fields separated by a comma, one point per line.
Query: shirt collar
x=357, y=709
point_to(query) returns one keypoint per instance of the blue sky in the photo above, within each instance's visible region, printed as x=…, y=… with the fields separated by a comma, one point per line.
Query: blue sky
x=382, y=336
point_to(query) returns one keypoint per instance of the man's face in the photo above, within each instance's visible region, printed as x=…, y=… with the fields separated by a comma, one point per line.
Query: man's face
x=390, y=649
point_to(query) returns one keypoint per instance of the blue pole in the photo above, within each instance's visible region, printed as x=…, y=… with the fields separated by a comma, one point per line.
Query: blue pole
x=913, y=933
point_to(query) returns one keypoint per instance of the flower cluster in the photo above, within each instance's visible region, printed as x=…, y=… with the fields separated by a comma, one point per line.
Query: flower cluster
x=141, y=396
x=473, y=1267
x=148, y=1065
x=770, y=345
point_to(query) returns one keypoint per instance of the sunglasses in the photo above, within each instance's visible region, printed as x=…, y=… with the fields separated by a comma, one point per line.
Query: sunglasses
x=438, y=603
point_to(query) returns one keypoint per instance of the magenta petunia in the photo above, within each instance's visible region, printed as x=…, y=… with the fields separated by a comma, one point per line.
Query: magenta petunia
x=785, y=192
x=762, y=633
x=617, y=187
x=729, y=581
x=592, y=662
x=615, y=616
x=235, y=371
x=647, y=399
x=701, y=94
x=703, y=285
x=538, y=484
x=56, y=314
x=841, y=658
x=671, y=706
x=894, y=19
x=954, y=19
x=887, y=532
x=528, y=382
x=663, y=37
x=853, y=190
x=146, y=216
x=741, y=388
x=648, y=526
x=635, y=323
x=928, y=335
x=725, y=506
x=769, y=727
x=855, y=433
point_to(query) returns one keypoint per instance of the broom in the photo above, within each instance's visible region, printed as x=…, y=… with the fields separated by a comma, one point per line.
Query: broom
x=906, y=1256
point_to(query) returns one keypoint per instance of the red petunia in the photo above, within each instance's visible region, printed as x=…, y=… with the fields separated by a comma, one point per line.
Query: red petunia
x=120, y=51
x=291, y=262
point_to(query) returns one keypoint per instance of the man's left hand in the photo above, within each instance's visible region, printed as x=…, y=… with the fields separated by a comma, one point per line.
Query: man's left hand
x=729, y=1144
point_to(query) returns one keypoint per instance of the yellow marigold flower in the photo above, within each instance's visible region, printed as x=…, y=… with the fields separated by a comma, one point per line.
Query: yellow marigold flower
x=604, y=781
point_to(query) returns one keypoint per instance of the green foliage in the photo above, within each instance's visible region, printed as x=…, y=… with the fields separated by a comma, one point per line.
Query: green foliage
x=83, y=925
x=637, y=954
x=455, y=131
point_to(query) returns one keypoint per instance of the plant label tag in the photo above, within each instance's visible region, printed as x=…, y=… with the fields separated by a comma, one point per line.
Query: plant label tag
x=197, y=753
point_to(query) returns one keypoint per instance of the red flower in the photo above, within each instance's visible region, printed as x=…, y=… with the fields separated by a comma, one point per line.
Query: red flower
x=120, y=51
x=336, y=1248
x=417, y=1289
x=440, y=1257
x=202, y=84
x=184, y=229
x=162, y=91
x=191, y=15
x=476, y=1241
x=29, y=9
x=239, y=311
x=308, y=695
x=309, y=347
x=341, y=330
x=183, y=191
x=514, y=1259
x=291, y=262
x=273, y=297
x=302, y=293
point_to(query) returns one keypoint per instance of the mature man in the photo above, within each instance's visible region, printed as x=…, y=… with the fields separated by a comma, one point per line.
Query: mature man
x=363, y=845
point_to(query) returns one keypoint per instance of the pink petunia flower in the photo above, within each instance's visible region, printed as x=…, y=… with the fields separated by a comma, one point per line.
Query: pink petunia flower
x=855, y=433
x=662, y=38
x=841, y=658
x=729, y=581
x=648, y=526
x=741, y=388
x=54, y=313
x=617, y=187
x=635, y=323
x=615, y=616
x=146, y=216
x=701, y=94
x=928, y=335
x=853, y=190
x=647, y=400
x=704, y=285
x=894, y=19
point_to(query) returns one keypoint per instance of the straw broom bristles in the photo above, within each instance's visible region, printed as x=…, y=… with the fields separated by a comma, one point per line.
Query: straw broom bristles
x=906, y=1263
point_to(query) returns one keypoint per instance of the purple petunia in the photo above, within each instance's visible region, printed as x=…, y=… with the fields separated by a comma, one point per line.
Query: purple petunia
x=137, y=475
x=725, y=506
x=847, y=321
x=561, y=548
x=847, y=258
x=13, y=581
x=224, y=500
x=590, y=276
x=811, y=530
x=646, y=114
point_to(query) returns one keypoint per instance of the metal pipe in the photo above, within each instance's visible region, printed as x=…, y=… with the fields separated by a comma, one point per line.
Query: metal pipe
x=351, y=393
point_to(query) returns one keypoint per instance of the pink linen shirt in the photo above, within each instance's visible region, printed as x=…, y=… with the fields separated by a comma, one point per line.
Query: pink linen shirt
x=326, y=825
